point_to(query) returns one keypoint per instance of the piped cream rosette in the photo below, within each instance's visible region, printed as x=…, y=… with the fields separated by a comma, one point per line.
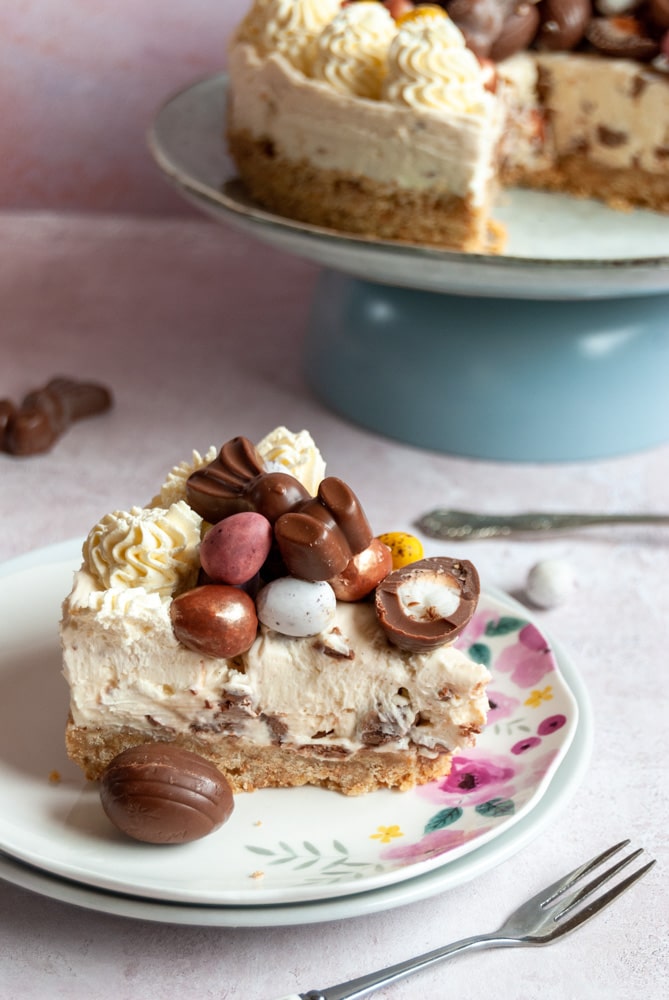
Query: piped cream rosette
x=430, y=66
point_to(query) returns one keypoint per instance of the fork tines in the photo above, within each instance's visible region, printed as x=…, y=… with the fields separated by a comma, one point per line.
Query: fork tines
x=562, y=904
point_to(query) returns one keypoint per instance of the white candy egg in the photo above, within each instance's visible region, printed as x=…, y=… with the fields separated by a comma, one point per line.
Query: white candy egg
x=296, y=607
x=550, y=582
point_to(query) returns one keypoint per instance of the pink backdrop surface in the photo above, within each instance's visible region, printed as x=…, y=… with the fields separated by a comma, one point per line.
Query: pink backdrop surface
x=80, y=81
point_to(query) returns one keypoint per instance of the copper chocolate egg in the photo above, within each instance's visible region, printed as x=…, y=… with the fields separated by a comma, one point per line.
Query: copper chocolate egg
x=216, y=620
x=363, y=572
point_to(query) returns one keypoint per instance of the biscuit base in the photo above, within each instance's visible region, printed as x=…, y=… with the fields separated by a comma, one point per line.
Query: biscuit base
x=248, y=766
x=354, y=204
x=622, y=190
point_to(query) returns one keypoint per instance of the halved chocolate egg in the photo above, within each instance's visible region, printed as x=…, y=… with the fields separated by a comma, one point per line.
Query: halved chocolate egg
x=427, y=603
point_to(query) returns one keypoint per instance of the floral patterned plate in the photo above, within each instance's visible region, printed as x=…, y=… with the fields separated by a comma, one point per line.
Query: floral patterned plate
x=281, y=845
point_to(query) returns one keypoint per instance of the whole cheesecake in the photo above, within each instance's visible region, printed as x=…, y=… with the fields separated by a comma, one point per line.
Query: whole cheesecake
x=404, y=127
x=248, y=615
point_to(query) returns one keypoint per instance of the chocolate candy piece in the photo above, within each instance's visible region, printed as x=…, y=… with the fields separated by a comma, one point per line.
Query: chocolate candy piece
x=563, y=24
x=658, y=13
x=316, y=536
x=162, y=794
x=7, y=413
x=427, y=603
x=219, y=489
x=236, y=481
x=480, y=21
x=517, y=32
x=363, y=572
x=622, y=38
x=274, y=493
x=216, y=620
x=319, y=537
x=46, y=413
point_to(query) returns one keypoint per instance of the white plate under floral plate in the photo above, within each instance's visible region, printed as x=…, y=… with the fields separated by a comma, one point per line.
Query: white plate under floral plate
x=280, y=845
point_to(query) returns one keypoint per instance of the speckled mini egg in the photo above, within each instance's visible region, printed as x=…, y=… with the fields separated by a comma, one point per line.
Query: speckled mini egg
x=233, y=550
x=404, y=548
x=296, y=607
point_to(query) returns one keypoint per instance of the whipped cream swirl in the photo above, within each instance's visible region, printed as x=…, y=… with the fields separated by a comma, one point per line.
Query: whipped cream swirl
x=284, y=451
x=153, y=548
x=174, y=487
x=430, y=67
x=351, y=53
x=290, y=27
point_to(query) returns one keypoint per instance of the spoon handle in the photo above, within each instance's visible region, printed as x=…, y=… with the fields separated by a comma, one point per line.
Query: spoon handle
x=463, y=524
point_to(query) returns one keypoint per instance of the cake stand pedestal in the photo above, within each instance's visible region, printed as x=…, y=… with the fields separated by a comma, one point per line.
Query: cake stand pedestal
x=493, y=378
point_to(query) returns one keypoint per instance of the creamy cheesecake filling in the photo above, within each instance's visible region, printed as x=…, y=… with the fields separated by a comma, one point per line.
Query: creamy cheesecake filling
x=399, y=131
x=344, y=689
x=407, y=147
x=613, y=110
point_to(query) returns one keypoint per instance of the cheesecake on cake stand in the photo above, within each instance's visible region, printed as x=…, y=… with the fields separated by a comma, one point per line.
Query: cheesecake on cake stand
x=519, y=350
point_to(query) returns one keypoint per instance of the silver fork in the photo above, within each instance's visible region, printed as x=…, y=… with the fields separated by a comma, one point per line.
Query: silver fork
x=465, y=524
x=552, y=913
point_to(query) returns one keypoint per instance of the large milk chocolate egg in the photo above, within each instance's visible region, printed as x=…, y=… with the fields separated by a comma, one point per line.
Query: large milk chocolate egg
x=216, y=620
x=162, y=794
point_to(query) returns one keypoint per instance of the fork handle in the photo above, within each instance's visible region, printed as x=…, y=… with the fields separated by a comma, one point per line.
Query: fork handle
x=355, y=988
x=464, y=525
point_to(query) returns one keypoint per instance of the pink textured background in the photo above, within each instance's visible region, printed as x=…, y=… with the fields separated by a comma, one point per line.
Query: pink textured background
x=80, y=81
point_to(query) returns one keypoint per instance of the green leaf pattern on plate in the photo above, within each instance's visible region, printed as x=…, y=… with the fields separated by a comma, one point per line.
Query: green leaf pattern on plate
x=530, y=724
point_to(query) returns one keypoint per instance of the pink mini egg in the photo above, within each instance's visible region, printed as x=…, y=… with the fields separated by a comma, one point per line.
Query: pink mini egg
x=233, y=550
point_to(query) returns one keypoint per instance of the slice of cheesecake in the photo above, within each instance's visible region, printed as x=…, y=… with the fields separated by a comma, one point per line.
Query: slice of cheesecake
x=375, y=695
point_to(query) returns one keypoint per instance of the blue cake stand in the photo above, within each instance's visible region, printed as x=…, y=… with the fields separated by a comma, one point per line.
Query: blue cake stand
x=555, y=350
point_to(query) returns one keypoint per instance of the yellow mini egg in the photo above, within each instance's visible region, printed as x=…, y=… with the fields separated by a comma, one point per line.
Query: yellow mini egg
x=404, y=548
x=423, y=13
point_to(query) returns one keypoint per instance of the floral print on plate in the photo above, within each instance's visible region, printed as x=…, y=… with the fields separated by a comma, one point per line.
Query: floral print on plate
x=531, y=723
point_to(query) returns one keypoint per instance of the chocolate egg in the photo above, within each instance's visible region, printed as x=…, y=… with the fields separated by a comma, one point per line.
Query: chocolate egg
x=234, y=549
x=364, y=571
x=427, y=603
x=217, y=620
x=160, y=793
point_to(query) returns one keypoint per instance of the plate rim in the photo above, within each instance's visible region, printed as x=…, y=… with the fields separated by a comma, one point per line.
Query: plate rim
x=567, y=781
x=65, y=553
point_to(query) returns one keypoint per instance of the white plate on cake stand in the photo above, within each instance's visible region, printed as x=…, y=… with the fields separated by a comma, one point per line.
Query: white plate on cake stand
x=558, y=246
x=281, y=846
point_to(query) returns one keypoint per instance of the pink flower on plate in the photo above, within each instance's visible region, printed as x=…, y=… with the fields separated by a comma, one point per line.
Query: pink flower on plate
x=528, y=660
x=431, y=845
x=502, y=706
x=474, y=779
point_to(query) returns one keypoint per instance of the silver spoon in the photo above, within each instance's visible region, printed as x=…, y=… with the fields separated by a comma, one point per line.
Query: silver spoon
x=464, y=524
